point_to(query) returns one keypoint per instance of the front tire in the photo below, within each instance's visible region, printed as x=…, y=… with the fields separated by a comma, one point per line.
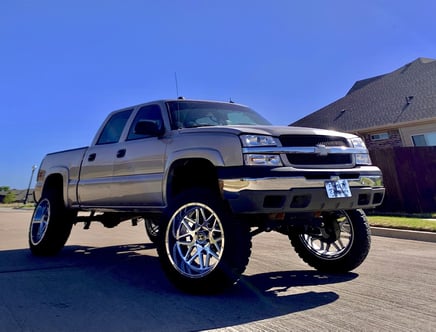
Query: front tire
x=202, y=247
x=339, y=246
x=50, y=225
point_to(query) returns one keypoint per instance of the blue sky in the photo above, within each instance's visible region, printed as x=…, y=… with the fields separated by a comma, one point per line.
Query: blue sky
x=64, y=65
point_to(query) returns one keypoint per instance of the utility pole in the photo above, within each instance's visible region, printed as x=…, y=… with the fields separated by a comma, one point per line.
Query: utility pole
x=30, y=182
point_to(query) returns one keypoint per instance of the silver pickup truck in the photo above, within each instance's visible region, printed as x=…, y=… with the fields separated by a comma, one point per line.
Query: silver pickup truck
x=205, y=177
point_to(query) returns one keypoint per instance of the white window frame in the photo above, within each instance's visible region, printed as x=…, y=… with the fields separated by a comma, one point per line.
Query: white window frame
x=379, y=136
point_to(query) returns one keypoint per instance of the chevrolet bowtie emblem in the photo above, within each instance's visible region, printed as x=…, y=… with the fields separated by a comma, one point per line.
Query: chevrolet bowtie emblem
x=321, y=150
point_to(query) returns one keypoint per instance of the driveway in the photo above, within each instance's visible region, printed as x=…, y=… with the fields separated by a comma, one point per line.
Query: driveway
x=110, y=280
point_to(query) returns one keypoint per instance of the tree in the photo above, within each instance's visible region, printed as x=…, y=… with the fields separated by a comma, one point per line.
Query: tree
x=9, y=197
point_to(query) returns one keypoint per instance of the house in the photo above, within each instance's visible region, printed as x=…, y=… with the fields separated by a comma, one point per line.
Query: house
x=396, y=115
x=397, y=109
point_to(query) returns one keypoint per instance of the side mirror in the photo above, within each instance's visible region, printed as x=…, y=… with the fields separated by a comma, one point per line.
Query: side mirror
x=149, y=128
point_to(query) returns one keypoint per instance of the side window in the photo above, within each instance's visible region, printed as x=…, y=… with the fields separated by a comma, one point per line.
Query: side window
x=114, y=127
x=146, y=113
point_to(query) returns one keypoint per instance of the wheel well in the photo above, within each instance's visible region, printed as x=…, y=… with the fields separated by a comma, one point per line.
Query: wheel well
x=188, y=173
x=54, y=182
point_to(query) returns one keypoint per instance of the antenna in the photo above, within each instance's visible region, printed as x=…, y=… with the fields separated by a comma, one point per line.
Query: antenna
x=177, y=84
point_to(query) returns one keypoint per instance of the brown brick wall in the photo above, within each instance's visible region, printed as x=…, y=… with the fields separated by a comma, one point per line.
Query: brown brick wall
x=393, y=141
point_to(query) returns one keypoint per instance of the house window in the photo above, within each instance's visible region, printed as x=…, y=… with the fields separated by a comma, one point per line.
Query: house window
x=427, y=139
x=379, y=137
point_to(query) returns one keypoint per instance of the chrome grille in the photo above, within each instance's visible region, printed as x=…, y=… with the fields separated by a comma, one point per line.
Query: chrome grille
x=312, y=159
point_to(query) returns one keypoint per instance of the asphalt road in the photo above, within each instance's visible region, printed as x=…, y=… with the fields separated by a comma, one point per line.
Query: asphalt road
x=110, y=280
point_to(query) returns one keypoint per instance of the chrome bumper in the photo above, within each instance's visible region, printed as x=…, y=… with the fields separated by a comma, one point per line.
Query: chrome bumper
x=300, y=194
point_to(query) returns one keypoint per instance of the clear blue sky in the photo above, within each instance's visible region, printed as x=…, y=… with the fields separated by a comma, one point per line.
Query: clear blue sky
x=64, y=65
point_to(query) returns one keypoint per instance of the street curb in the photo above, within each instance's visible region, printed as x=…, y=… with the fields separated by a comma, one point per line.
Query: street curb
x=404, y=234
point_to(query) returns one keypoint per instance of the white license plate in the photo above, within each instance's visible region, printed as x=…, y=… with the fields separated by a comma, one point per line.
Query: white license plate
x=337, y=189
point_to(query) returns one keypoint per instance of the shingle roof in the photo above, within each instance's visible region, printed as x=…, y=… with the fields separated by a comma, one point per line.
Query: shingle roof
x=404, y=95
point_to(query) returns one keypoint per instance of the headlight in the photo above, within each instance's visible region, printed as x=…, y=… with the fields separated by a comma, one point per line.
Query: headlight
x=358, y=143
x=258, y=140
x=361, y=158
x=259, y=158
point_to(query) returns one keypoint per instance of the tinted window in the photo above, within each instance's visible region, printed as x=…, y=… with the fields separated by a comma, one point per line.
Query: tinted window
x=114, y=127
x=146, y=113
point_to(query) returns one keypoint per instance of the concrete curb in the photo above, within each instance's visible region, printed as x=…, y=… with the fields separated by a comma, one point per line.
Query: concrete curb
x=404, y=234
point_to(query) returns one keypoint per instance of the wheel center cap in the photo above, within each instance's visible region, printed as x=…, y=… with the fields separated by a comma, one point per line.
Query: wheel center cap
x=201, y=237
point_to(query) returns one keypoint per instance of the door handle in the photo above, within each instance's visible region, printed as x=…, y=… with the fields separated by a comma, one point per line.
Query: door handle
x=92, y=156
x=121, y=153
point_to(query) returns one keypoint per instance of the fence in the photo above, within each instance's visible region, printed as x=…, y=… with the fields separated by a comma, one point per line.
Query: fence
x=409, y=175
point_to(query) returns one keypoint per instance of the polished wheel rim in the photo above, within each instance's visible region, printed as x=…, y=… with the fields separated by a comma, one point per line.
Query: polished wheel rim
x=194, y=240
x=334, y=240
x=40, y=220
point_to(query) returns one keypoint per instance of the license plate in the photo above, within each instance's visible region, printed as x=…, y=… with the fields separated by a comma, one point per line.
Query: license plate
x=337, y=189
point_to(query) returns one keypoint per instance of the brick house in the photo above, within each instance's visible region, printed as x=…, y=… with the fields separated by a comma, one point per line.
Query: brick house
x=395, y=113
x=397, y=109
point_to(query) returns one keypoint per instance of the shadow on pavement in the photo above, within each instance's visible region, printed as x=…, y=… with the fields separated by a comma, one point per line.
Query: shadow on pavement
x=122, y=288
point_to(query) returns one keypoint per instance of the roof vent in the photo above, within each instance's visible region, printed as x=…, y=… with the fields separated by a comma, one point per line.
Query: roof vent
x=409, y=99
x=342, y=112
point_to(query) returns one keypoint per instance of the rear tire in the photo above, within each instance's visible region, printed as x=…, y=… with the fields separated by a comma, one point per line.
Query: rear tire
x=152, y=229
x=341, y=245
x=50, y=225
x=202, y=247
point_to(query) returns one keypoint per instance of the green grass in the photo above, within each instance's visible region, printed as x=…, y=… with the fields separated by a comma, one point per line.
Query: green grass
x=418, y=224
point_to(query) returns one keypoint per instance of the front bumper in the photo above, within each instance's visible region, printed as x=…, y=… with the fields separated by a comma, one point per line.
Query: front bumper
x=286, y=190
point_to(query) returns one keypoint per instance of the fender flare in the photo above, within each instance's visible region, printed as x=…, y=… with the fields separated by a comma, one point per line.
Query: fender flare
x=63, y=172
x=211, y=155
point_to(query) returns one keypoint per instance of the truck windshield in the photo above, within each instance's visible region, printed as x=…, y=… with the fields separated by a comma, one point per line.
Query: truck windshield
x=189, y=114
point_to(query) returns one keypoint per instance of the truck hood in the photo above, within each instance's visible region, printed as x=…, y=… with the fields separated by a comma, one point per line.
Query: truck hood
x=264, y=130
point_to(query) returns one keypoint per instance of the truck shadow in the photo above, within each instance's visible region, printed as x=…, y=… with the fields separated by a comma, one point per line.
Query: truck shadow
x=123, y=288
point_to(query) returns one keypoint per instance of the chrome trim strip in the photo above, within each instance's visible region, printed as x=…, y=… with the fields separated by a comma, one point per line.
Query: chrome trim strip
x=280, y=183
x=321, y=150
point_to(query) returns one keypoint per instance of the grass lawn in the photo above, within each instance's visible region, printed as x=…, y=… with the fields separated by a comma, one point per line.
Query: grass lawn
x=418, y=224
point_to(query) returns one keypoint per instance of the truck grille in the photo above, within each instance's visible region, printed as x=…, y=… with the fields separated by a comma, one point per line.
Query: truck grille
x=312, y=159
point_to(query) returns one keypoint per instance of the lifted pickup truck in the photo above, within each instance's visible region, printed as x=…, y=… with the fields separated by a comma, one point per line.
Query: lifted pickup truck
x=205, y=177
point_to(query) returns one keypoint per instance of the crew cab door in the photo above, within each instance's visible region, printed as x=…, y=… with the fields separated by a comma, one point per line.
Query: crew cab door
x=139, y=163
x=96, y=174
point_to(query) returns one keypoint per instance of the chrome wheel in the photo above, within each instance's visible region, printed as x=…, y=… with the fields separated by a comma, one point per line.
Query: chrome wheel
x=202, y=247
x=334, y=240
x=340, y=244
x=194, y=240
x=50, y=225
x=39, y=222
